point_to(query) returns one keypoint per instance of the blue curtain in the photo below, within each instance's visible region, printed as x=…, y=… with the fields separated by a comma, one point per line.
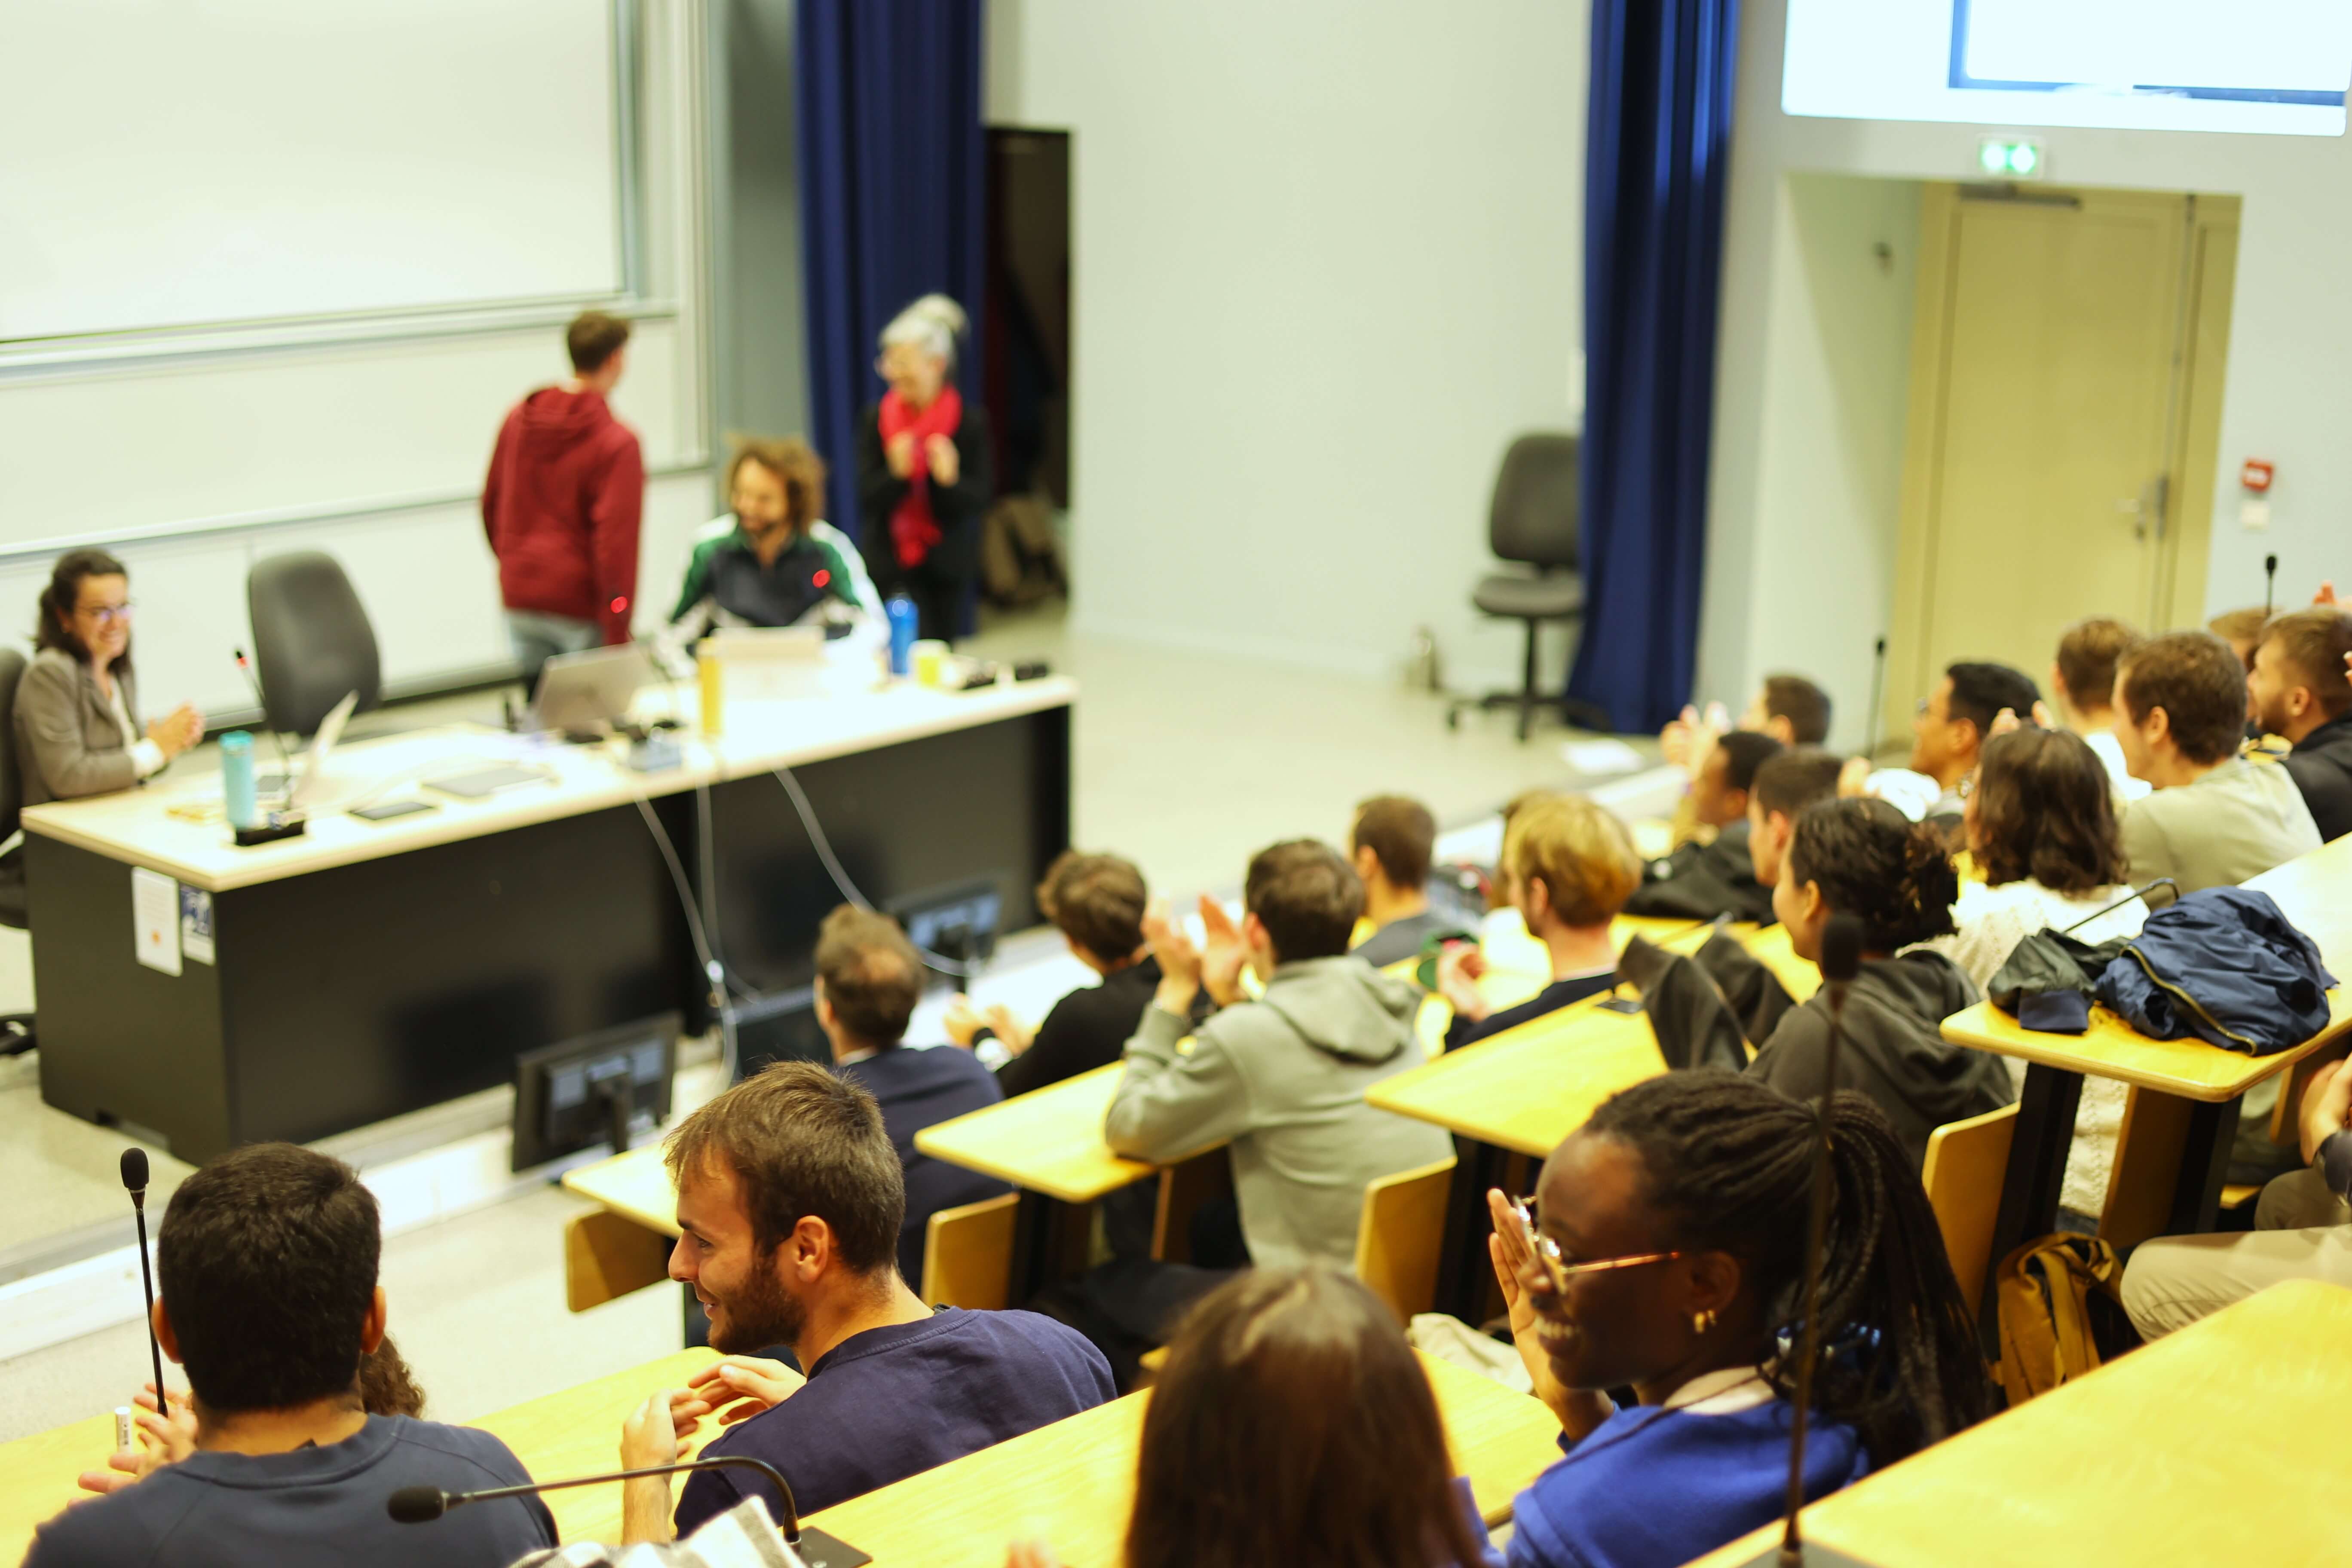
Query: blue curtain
x=1657, y=147
x=892, y=153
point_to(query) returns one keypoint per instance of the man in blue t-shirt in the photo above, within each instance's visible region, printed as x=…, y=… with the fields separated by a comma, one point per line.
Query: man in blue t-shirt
x=265, y=1266
x=789, y=1202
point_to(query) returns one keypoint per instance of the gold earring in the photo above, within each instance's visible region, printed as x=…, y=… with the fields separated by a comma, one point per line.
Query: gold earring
x=1703, y=1322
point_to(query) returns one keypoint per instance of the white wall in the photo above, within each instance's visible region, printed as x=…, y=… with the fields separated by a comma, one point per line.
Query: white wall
x=2290, y=353
x=1326, y=263
x=195, y=455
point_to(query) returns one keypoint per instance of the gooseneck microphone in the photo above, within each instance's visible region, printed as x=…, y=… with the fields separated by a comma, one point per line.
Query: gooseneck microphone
x=1877, y=692
x=1841, y=961
x=261, y=697
x=134, y=1177
x=418, y=1505
x=2270, y=583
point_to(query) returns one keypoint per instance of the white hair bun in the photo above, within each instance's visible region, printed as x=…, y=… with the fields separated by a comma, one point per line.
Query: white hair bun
x=933, y=324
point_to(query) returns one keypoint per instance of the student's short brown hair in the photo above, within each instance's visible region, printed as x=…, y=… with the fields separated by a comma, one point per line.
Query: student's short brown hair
x=1583, y=857
x=1401, y=835
x=1096, y=901
x=2045, y=810
x=803, y=1142
x=2087, y=652
x=1803, y=704
x=2238, y=626
x=870, y=972
x=2196, y=679
x=1306, y=896
x=594, y=338
x=1794, y=779
x=2313, y=643
x=796, y=467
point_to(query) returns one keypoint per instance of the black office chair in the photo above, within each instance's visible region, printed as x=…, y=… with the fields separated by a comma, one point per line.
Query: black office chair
x=312, y=641
x=1533, y=519
x=16, y=1029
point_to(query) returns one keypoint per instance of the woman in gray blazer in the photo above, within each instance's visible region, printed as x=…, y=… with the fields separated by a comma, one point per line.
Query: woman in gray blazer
x=77, y=709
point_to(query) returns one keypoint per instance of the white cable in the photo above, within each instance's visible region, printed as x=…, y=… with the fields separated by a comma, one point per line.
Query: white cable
x=848, y=889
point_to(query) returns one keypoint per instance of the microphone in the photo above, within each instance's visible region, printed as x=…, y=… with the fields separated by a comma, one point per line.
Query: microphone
x=418, y=1505
x=284, y=768
x=2270, y=583
x=134, y=1178
x=1877, y=691
x=1841, y=961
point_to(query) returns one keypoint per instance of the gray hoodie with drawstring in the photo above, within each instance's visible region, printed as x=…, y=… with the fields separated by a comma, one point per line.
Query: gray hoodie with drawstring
x=1281, y=1081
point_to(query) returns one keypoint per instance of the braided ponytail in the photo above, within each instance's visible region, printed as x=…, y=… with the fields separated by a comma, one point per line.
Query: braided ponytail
x=1729, y=1168
x=1872, y=862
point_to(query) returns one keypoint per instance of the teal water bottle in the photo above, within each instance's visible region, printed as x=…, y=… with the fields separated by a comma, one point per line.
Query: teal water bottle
x=236, y=780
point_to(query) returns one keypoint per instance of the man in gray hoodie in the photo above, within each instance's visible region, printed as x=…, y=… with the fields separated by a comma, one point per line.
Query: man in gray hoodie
x=1280, y=1081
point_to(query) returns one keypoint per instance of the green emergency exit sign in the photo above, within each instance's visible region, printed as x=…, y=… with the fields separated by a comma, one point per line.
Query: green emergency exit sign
x=2011, y=160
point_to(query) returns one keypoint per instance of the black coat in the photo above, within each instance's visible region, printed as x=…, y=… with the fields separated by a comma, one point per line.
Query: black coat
x=956, y=508
x=2321, y=765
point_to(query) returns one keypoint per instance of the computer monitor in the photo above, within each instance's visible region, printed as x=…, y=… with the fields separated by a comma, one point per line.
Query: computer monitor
x=595, y=1089
x=959, y=920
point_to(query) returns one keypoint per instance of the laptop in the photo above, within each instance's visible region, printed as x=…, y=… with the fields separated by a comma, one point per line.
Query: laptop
x=590, y=690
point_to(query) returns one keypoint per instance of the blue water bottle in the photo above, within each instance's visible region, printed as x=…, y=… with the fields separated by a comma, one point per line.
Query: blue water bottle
x=236, y=780
x=901, y=611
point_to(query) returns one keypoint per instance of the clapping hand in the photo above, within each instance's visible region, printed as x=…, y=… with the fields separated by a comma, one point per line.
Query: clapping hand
x=2327, y=1106
x=900, y=454
x=939, y=454
x=178, y=730
x=1578, y=1410
x=1459, y=966
x=739, y=1387
x=1224, y=952
x=168, y=1442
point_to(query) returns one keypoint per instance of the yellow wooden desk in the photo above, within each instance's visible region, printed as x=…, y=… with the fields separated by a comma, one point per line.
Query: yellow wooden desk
x=2311, y=891
x=1073, y=1483
x=624, y=1245
x=2201, y=1448
x=574, y=1432
x=1049, y=1141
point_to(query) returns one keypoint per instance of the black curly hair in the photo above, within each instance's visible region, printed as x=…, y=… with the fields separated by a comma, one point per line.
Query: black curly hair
x=1727, y=1166
x=1876, y=865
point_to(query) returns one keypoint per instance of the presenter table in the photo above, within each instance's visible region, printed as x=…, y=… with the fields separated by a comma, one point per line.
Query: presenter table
x=371, y=968
x=1072, y=1484
x=2207, y=1446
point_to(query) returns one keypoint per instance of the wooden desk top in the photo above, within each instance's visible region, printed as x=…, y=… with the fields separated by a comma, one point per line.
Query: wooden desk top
x=1073, y=1484
x=2111, y=1048
x=1529, y=1088
x=571, y=1433
x=2315, y=891
x=634, y=1185
x=1049, y=1141
x=2205, y=1447
x=135, y=826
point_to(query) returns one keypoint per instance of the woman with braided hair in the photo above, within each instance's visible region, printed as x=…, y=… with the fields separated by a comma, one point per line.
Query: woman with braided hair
x=1862, y=858
x=1663, y=1251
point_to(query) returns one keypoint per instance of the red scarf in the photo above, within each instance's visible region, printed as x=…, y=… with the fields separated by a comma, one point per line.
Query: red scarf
x=913, y=529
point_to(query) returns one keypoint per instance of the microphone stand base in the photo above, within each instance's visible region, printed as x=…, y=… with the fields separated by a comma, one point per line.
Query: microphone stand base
x=819, y=1549
x=1815, y=1556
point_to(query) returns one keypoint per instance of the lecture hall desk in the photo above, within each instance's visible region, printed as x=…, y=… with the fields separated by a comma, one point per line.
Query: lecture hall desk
x=2210, y=1446
x=368, y=969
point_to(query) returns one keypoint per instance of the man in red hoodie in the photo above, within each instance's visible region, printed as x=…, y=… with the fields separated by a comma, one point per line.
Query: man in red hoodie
x=567, y=485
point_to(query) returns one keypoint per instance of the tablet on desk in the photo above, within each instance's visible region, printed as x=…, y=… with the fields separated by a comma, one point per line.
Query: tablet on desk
x=487, y=781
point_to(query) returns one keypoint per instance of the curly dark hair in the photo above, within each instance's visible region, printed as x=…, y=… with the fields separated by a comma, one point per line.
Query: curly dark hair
x=2044, y=811
x=1728, y=1165
x=1874, y=863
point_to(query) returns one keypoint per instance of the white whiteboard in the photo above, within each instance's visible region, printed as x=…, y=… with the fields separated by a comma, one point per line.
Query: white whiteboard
x=172, y=162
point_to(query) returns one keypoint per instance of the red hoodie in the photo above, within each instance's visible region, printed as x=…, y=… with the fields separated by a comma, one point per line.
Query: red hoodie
x=567, y=484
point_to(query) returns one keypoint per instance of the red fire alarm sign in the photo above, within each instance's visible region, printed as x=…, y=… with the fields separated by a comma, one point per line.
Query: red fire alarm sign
x=2257, y=474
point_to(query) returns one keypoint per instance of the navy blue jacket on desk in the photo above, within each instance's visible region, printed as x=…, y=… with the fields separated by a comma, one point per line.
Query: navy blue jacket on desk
x=894, y=1402
x=918, y=1089
x=322, y=1507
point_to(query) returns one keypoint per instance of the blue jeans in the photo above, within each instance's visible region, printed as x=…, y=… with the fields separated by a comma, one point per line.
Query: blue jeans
x=538, y=637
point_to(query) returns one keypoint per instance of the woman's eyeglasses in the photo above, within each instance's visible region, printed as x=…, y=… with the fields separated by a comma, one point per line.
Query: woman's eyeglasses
x=107, y=614
x=1555, y=1263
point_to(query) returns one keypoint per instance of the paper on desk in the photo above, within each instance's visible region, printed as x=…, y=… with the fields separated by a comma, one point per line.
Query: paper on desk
x=1599, y=756
x=155, y=920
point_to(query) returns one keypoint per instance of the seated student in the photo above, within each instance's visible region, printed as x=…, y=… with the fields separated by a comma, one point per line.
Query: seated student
x=2215, y=818
x=1293, y=1427
x=1700, y=878
x=869, y=980
x=1097, y=901
x=1784, y=785
x=1571, y=867
x=1392, y=843
x=266, y=1294
x=2082, y=688
x=1789, y=707
x=1860, y=857
x=1947, y=732
x=1667, y=1256
x=2298, y=691
x=2303, y=1229
x=775, y=562
x=789, y=1196
x=1281, y=1080
x=2041, y=826
x=77, y=717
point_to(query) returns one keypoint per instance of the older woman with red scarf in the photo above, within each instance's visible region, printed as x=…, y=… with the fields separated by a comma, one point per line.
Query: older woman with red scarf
x=925, y=468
